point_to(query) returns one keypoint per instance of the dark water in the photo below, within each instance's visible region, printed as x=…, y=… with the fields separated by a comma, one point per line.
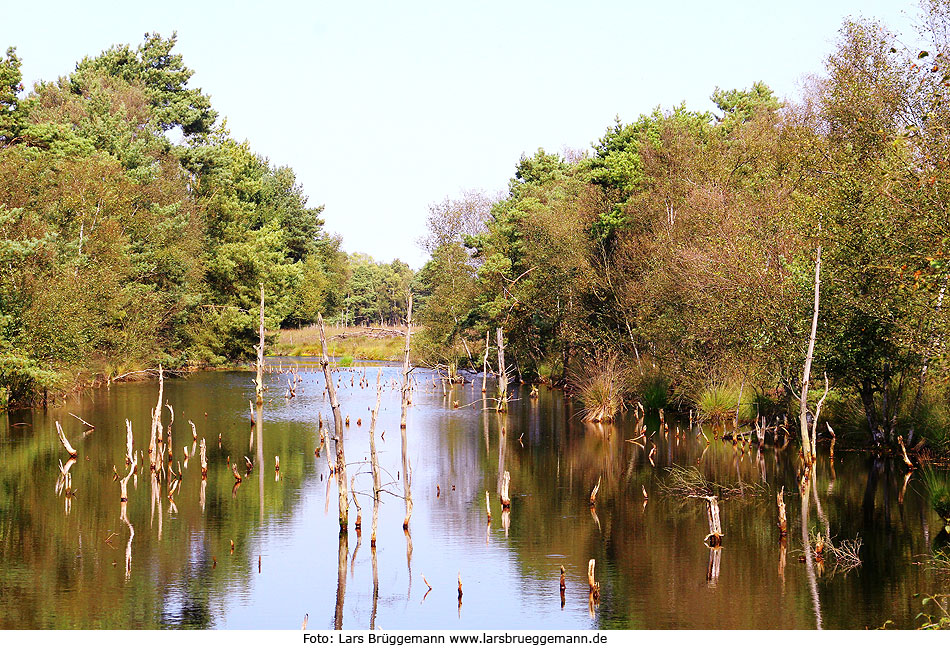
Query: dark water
x=63, y=563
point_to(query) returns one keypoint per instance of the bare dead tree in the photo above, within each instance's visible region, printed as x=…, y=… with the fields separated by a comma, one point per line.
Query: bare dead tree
x=338, y=429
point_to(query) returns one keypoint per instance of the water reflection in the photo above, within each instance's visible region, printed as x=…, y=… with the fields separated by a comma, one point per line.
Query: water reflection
x=653, y=569
x=342, y=556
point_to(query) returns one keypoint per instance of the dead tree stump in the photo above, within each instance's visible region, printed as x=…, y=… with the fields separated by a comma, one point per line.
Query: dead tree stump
x=782, y=520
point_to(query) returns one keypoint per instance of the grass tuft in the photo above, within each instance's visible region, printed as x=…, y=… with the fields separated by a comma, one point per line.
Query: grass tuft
x=602, y=384
x=718, y=402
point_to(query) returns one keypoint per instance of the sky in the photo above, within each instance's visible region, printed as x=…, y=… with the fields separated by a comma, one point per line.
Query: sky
x=384, y=108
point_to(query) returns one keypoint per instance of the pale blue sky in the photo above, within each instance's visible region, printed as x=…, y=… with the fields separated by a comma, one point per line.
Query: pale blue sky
x=383, y=108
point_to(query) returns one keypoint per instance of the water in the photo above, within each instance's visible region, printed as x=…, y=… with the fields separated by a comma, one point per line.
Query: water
x=64, y=562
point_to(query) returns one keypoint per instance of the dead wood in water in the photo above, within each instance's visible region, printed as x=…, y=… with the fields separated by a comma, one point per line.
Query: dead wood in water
x=782, y=520
x=204, y=459
x=155, y=438
x=65, y=442
x=84, y=422
x=594, y=586
x=563, y=586
x=124, y=482
x=129, y=444
x=405, y=366
x=374, y=460
x=910, y=465
x=714, y=538
x=406, y=465
x=593, y=494
x=338, y=429
x=505, y=497
x=359, y=511
x=259, y=381
x=502, y=372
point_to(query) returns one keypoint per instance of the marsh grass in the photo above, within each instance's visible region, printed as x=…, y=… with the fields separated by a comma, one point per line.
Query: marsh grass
x=356, y=342
x=653, y=388
x=718, y=402
x=937, y=486
x=602, y=383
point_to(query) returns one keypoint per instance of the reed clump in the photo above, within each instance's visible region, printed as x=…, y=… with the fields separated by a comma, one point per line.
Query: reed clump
x=720, y=401
x=653, y=388
x=937, y=485
x=602, y=383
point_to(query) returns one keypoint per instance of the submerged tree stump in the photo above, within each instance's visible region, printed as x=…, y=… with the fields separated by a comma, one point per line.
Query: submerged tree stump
x=593, y=493
x=782, y=520
x=714, y=538
x=502, y=372
x=594, y=586
x=505, y=498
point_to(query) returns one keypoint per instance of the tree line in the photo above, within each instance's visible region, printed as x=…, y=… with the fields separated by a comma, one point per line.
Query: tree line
x=685, y=243
x=135, y=230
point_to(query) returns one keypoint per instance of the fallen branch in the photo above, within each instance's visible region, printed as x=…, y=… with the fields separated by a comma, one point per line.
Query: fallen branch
x=91, y=427
x=62, y=438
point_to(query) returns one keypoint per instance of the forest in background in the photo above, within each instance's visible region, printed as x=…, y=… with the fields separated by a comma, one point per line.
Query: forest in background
x=134, y=230
x=680, y=253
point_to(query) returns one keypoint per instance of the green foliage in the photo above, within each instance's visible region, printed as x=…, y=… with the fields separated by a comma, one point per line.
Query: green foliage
x=11, y=83
x=940, y=620
x=742, y=105
x=377, y=292
x=346, y=361
x=163, y=75
x=691, y=237
x=123, y=250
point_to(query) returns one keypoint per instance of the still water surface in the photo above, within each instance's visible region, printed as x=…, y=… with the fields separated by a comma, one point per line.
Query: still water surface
x=63, y=563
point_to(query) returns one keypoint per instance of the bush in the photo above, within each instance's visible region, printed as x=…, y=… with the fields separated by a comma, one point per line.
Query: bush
x=346, y=361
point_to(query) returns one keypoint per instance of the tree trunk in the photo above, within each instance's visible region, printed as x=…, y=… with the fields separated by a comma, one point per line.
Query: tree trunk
x=870, y=411
x=374, y=460
x=405, y=367
x=808, y=447
x=502, y=372
x=259, y=384
x=338, y=429
x=485, y=364
x=406, y=470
